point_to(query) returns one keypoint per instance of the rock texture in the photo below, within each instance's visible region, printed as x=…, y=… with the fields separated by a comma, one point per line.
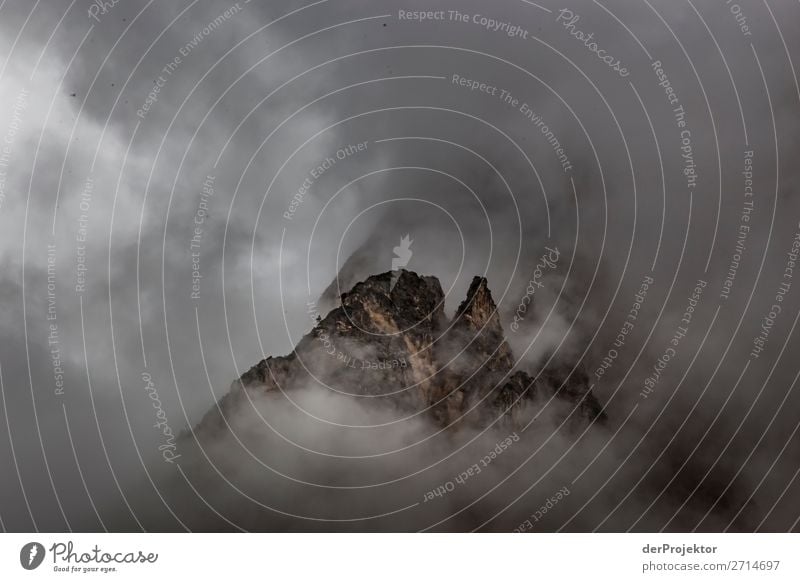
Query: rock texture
x=390, y=340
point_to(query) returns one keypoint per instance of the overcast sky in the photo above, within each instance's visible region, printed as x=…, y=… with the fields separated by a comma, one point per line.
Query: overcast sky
x=194, y=173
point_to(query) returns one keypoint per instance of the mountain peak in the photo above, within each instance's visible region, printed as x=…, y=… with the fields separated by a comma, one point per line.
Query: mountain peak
x=390, y=338
x=478, y=311
x=404, y=297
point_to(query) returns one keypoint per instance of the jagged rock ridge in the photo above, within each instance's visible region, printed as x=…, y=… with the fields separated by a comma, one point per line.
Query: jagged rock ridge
x=390, y=340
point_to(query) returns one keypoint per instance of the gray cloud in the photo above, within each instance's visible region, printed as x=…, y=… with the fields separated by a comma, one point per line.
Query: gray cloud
x=703, y=441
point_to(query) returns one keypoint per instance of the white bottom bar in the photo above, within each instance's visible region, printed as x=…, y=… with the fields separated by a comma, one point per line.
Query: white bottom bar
x=378, y=557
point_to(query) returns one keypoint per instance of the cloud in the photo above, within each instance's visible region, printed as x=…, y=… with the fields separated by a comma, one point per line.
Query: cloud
x=474, y=180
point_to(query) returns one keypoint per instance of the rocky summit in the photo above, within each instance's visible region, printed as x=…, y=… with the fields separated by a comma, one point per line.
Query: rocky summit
x=390, y=340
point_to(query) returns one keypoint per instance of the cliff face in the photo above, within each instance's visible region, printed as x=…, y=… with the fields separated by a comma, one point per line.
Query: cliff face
x=389, y=341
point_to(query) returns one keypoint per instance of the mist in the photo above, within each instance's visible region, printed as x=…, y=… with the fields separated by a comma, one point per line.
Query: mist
x=179, y=183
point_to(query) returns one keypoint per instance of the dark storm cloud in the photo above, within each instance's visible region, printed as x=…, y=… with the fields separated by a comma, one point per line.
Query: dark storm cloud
x=85, y=109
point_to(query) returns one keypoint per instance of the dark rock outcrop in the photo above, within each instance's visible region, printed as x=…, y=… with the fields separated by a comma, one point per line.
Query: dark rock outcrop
x=390, y=339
